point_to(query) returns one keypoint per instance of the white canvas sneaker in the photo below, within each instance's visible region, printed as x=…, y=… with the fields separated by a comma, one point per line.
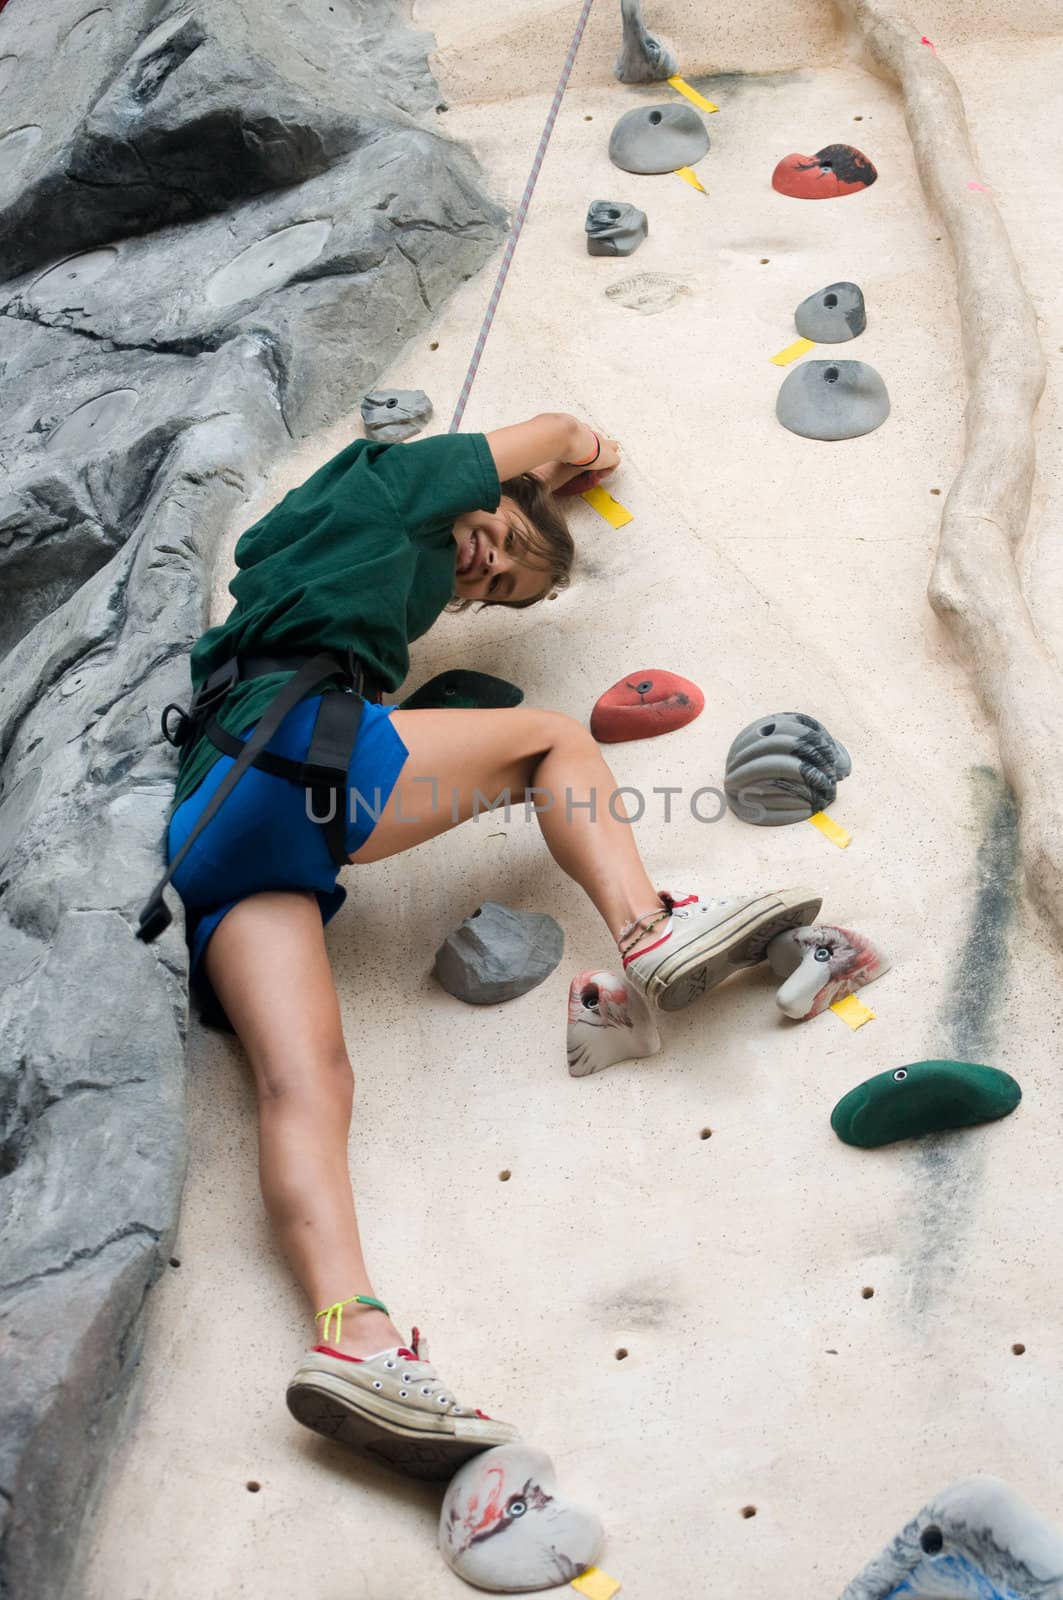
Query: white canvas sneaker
x=394, y=1406
x=705, y=941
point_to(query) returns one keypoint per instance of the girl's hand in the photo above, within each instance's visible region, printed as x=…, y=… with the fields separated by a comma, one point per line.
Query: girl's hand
x=610, y=455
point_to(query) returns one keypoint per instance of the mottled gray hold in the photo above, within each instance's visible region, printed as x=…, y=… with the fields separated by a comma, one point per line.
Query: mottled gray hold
x=614, y=228
x=498, y=954
x=643, y=58
x=658, y=138
x=833, y=314
x=783, y=768
x=976, y=1540
x=392, y=415
x=832, y=400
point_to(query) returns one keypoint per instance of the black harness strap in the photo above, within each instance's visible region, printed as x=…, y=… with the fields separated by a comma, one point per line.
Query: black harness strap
x=324, y=771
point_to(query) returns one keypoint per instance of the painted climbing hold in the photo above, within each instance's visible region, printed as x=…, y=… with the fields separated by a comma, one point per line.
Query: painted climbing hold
x=783, y=768
x=498, y=954
x=976, y=1540
x=391, y=415
x=504, y=1526
x=837, y=169
x=580, y=483
x=643, y=58
x=925, y=1097
x=658, y=139
x=607, y=1022
x=644, y=704
x=821, y=965
x=832, y=400
x=614, y=228
x=832, y=315
x=461, y=690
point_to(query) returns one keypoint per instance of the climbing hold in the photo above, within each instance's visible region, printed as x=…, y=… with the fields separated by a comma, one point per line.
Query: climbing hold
x=926, y=1097
x=644, y=704
x=821, y=965
x=614, y=228
x=783, y=768
x=832, y=315
x=392, y=415
x=832, y=400
x=643, y=58
x=580, y=483
x=607, y=1022
x=460, y=690
x=504, y=1526
x=498, y=954
x=975, y=1538
x=836, y=170
x=658, y=139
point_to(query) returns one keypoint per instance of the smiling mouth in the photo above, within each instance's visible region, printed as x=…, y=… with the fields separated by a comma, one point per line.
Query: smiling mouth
x=468, y=556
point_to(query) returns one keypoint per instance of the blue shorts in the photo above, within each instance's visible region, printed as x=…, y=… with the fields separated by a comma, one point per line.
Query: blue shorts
x=262, y=838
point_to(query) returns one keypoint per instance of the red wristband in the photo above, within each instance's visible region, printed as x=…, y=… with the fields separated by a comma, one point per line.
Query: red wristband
x=590, y=459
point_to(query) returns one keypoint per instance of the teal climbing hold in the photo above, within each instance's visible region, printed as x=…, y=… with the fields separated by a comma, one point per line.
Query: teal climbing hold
x=463, y=690
x=925, y=1097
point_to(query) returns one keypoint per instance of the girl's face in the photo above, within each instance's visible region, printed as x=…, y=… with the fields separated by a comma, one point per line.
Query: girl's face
x=490, y=550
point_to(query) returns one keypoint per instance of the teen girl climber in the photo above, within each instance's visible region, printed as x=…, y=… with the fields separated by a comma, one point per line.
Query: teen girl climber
x=332, y=586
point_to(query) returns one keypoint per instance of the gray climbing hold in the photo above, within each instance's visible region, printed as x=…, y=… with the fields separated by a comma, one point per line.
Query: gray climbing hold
x=614, y=228
x=498, y=954
x=832, y=400
x=833, y=314
x=975, y=1538
x=395, y=414
x=783, y=768
x=643, y=58
x=658, y=139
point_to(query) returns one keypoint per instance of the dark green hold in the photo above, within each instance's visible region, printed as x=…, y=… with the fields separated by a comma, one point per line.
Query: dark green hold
x=926, y=1097
x=463, y=691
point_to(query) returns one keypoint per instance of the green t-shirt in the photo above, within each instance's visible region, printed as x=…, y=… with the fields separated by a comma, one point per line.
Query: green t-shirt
x=361, y=556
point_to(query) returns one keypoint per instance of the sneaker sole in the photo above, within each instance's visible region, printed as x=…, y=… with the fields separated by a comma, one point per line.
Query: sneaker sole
x=417, y=1452
x=739, y=942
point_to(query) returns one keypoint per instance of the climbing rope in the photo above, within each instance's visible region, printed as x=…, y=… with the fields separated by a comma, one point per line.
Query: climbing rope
x=518, y=220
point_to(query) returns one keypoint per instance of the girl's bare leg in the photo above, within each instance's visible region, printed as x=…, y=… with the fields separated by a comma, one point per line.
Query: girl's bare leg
x=461, y=760
x=268, y=964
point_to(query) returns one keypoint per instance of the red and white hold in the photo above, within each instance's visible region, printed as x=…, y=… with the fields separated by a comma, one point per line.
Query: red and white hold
x=608, y=1021
x=821, y=965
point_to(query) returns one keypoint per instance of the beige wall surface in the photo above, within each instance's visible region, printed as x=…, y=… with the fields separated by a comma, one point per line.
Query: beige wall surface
x=778, y=573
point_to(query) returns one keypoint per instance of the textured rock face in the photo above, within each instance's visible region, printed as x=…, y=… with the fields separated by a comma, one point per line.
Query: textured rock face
x=147, y=382
x=498, y=954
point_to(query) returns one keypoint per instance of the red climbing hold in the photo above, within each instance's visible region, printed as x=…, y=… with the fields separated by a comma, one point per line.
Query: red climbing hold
x=586, y=480
x=838, y=169
x=644, y=704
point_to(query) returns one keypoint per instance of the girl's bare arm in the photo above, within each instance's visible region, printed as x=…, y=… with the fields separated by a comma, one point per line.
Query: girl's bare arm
x=553, y=438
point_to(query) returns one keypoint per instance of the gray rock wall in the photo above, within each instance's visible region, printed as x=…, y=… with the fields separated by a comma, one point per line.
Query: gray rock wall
x=218, y=223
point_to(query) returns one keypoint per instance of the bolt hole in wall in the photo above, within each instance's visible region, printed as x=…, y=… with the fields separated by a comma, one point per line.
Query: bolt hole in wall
x=1018, y=1349
x=655, y=117
x=174, y=1262
x=505, y=1175
x=764, y=260
x=867, y=1293
x=621, y=1354
x=935, y=491
x=706, y=1133
x=253, y=1486
x=749, y=1511
x=434, y=345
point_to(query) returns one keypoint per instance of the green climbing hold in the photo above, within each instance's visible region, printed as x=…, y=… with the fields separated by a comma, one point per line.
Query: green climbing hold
x=926, y=1097
x=463, y=691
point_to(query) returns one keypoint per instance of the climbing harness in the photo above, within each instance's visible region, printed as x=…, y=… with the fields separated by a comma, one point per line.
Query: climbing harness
x=518, y=220
x=323, y=773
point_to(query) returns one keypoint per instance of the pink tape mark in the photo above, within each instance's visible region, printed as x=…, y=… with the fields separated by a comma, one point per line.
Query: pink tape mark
x=930, y=42
x=972, y=183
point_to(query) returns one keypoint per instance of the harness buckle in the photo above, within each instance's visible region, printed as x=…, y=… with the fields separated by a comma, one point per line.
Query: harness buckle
x=181, y=733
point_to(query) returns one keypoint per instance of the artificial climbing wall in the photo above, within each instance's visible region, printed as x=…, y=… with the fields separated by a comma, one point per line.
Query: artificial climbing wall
x=755, y=1350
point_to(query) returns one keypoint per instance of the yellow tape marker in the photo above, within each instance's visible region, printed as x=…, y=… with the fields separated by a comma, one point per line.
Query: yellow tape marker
x=688, y=175
x=615, y=514
x=681, y=86
x=799, y=347
x=596, y=1584
x=831, y=830
x=852, y=1011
